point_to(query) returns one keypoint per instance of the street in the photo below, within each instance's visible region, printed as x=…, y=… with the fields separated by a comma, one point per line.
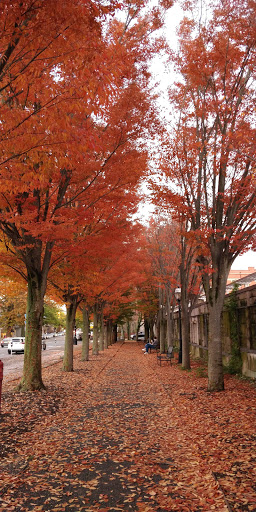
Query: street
x=13, y=364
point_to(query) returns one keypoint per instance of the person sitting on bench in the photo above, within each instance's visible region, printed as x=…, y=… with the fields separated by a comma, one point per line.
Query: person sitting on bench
x=154, y=344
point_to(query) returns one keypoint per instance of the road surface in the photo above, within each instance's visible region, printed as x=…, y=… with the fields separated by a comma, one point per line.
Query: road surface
x=13, y=364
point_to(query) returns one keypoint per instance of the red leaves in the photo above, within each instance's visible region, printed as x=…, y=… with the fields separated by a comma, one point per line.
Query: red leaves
x=132, y=439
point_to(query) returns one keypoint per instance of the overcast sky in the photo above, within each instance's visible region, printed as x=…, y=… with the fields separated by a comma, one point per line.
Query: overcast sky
x=164, y=79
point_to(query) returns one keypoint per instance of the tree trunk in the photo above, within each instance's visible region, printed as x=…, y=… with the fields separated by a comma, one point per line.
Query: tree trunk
x=215, y=366
x=185, y=269
x=161, y=327
x=109, y=333
x=37, y=265
x=146, y=328
x=95, y=345
x=105, y=336
x=139, y=322
x=85, y=340
x=101, y=335
x=32, y=369
x=70, y=324
x=128, y=330
x=162, y=332
x=169, y=331
x=151, y=328
x=185, y=325
x=115, y=333
x=215, y=289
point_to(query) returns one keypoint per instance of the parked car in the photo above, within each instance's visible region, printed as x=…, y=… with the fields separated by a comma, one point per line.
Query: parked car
x=5, y=341
x=16, y=345
x=141, y=336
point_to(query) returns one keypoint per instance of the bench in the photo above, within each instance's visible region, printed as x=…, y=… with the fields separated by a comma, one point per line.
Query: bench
x=156, y=348
x=166, y=357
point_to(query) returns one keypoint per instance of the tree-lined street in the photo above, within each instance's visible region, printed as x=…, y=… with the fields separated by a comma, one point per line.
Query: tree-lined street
x=82, y=135
x=84, y=146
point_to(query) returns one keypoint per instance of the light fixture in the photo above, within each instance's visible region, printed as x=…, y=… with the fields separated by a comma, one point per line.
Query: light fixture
x=177, y=293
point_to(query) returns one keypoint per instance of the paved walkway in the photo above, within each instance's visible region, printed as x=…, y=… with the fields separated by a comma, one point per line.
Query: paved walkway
x=114, y=442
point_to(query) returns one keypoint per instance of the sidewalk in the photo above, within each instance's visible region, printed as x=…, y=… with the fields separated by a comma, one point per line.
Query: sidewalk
x=121, y=433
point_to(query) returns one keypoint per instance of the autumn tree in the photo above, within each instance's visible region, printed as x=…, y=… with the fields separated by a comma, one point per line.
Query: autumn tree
x=13, y=305
x=62, y=64
x=112, y=277
x=111, y=201
x=37, y=44
x=190, y=280
x=54, y=314
x=210, y=161
x=162, y=247
x=96, y=268
x=13, y=292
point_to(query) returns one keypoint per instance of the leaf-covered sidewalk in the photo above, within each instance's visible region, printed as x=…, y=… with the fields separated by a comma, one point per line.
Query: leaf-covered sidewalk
x=122, y=433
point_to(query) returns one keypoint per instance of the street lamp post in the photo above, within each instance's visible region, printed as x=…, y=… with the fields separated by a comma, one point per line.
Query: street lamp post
x=178, y=297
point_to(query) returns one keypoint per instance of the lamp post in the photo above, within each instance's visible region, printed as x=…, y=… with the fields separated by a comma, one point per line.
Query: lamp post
x=178, y=297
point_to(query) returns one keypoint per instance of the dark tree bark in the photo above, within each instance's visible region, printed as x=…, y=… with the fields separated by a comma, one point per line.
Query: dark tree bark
x=86, y=329
x=70, y=324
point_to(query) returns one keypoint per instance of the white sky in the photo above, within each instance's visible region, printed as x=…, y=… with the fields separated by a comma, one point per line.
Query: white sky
x=246, y=260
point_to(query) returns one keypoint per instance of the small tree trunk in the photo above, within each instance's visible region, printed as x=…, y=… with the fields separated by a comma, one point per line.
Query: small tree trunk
x=161, y=329
x=101, y=335
x=105, y=337
x=32, y=369
x=85, y=340
x=70, y=324
x=128, y=330
x=114, y=333
x=185, y=337
x=151, y=328
x=146, y=327
x=169, y=334
x=162, y=326
x=185, y=268
x=95, y=345
x=110, y=332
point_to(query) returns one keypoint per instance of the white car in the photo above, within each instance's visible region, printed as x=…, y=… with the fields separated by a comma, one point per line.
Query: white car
x=141, y=336
x=5, y=342
x=16, y=345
